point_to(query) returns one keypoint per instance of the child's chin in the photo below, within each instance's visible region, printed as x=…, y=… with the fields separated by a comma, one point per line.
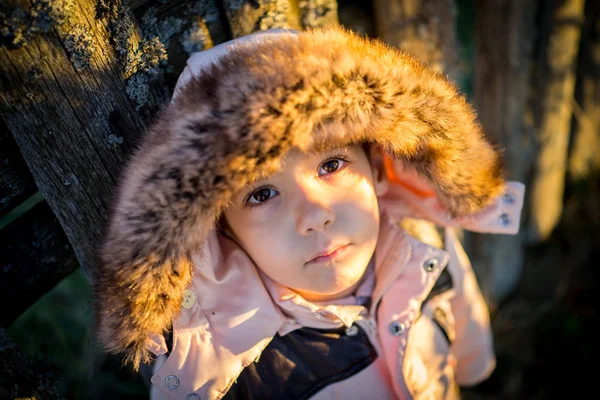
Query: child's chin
x=339, y=284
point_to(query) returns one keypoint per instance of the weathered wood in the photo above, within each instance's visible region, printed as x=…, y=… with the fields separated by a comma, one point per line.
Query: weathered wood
x=174, y=19
x=248, y=16
x=20, y=378
x=72, y=127
x=424, y=29
x=555, y=90
x=318, y=13
x=36, y=256
x=584, y=158
x=16, y=182
x=184, y=28
x=504, y=43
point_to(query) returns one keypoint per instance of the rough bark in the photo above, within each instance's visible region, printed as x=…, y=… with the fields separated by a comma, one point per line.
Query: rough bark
x=318, y=13
x=183, y=27
x=425, y=29
x=505, y=33
x=555, y=91
x=247, y=16
x=72, y=126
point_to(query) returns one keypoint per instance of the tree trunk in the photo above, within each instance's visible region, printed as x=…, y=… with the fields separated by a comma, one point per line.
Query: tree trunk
x=555, y=91
x=424, y=29
x=505, y=33
x=584, y=159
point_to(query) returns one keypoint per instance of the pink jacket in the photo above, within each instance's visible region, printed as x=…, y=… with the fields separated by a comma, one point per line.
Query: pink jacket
x=231, y=312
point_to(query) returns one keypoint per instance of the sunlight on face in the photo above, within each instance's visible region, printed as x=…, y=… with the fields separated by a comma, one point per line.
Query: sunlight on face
x=313, y=226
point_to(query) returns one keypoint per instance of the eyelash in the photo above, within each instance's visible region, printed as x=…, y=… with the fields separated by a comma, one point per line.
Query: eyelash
x=254, y=205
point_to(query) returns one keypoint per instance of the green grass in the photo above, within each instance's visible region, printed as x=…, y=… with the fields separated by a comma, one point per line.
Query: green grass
x=58, y=328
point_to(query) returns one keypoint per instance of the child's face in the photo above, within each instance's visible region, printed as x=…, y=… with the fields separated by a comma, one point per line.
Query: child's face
x=319, y=204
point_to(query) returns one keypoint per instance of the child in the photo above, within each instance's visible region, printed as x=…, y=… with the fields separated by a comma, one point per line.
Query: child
x=266, y=243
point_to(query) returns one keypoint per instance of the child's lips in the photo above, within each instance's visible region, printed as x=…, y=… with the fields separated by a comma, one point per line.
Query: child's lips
x=328, y=257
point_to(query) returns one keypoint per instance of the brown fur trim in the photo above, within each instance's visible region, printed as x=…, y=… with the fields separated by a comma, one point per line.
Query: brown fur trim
x=234, y=123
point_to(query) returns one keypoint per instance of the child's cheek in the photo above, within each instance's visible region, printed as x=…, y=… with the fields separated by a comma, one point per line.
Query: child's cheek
x=358, y=187
x=345, y=178
x=259, y=216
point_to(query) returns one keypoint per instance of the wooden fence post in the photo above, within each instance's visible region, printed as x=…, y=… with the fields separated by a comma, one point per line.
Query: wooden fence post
x=72, y=121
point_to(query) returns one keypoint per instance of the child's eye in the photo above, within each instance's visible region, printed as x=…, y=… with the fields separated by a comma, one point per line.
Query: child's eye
x=332, y=165
x=261, y=195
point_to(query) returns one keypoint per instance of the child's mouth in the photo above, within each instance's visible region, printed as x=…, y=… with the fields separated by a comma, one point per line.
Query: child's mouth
x=334, y=255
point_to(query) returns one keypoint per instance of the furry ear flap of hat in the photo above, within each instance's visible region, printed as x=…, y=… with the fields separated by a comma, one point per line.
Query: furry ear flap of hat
x=231, y=122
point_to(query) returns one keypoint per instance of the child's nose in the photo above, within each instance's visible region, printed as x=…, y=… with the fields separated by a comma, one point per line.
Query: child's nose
x=312, y=213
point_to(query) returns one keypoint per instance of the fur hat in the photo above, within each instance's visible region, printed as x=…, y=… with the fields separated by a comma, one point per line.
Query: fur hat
x=233, y=123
